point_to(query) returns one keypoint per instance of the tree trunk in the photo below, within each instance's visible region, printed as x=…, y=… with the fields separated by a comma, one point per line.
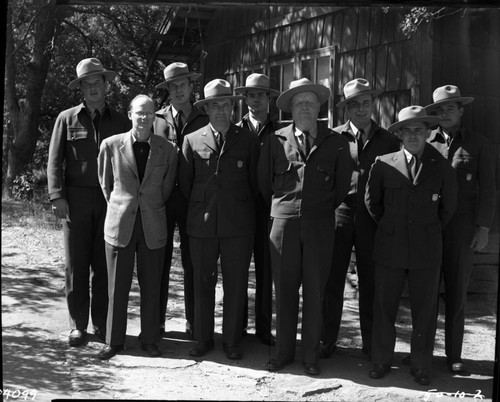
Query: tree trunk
x=24, y=114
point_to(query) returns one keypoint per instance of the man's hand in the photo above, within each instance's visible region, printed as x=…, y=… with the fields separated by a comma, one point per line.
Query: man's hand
x=480, y=239
x=60, y=208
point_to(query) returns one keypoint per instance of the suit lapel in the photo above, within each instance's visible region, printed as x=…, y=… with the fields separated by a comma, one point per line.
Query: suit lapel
x=426, y=167
x=232, y=138
x=320, y=136
x=399, y=163
x=287, y=132
x=128, y=153
x=155, y=150
x=209, y=139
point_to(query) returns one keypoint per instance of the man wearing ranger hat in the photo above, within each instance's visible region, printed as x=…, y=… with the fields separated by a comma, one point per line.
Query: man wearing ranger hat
x=77, y=198
x=304, y=173
x=258, y=93
x=470, y=155
x=217, y=174
x=174, y=122
x=411, y=195
x=354, y=225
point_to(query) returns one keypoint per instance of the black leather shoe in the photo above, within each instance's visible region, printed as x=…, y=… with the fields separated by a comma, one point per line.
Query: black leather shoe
x=100, y=333
x=202, y=348
x=277, y=365
x=407, y=360
x=162, y=330
x=422, y=376
x=152, y=349
x=266, y=338
x=109, y=351
x=326, y=350
x=379, y=370
x=76, y=337
x=311, y=368
x=232, y=352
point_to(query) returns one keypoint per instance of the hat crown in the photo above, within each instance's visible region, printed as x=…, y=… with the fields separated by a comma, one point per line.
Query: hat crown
x=175, y=70
x=299, y=83
x=411, y=112
x=258, y=80
x=446, y=92
x=356, y=87
x=216, y=88
x=88, y=66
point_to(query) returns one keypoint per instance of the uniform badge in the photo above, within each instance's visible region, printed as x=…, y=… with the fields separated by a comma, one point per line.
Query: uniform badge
x=239, y=164
x=468, y=177
x=435, y=197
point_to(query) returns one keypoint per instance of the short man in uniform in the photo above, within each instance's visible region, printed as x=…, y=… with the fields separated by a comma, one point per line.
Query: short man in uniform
x=77, y=197
x=470, y=156
x=257, y=92
x=174, y=122
x=304, y=174
x=218, y=175
x=411, y=194
x=354, y=225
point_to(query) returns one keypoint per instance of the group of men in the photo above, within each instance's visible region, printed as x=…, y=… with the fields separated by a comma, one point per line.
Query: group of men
x=299, y=197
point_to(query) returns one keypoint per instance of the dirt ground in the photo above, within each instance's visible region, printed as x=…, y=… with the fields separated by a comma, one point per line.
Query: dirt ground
x=39, y=365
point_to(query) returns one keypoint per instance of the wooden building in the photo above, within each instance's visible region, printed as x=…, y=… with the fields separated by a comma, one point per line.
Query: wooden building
x=332, y=45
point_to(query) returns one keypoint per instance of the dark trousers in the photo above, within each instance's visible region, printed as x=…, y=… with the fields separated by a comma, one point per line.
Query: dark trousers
x=120, y=262
x=352, y=229
x=235, y=255
x=457, y=269
x=301, y=254
x=423, y=286
x=84, y=251
x=263, y=275
x=177, y=207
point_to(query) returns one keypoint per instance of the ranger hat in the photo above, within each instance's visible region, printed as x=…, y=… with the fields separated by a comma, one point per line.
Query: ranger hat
x=87, y=68
x=215, y=90
x=299, y=86
x=355, y=88
x=447, y=93
x=175, y=71
x=259, y=82
x=413, y=114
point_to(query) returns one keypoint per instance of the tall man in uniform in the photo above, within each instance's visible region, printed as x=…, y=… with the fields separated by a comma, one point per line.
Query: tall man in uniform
x=77, y=198
x=411, y=194
x=470, y=156
x=304, y=173
x=257, y=92
x=174, y=122
x=218, y=175
x=354, y=225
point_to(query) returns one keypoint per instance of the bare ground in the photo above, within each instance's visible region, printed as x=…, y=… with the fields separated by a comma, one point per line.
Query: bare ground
x=37, y=358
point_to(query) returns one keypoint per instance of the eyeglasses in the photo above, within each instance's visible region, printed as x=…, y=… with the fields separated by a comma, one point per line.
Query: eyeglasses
x=144, y=114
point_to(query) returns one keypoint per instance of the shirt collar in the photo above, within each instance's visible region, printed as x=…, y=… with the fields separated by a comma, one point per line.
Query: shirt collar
x=216, y=133
x=91, y=110
x=134, y=139
x=312, y=132
x=408, y=155
x=356, y=130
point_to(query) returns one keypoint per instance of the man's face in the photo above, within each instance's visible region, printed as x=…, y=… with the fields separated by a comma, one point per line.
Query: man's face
x=142, y=114
x=451, y=115
x=180, y=92
x=94, y=89
x=219, y=113
x=305, y=110
x=414, y=136
x=359, y=110
x=257, y=101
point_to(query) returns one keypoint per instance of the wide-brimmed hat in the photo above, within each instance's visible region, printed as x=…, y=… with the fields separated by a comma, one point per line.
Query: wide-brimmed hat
x=413, y=114
x=215, y=90
x=355, y=88
x=175, y=71
x=299, y=86
x=259, y=82
x=448, y=93
x=89, y=67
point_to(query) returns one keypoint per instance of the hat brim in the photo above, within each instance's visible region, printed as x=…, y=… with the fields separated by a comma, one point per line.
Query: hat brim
x=202, y=102
x=430, y=120
x=107, y=73
x=373, y=92
x=465, y=100
x=283, y=101
x=192, y=76
x=272, y=92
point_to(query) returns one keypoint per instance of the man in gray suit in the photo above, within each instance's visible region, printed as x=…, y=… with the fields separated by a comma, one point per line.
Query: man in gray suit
x=137, y=173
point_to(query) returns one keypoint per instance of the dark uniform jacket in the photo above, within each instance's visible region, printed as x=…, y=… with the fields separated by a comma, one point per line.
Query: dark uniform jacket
x=309, y=188
x=471, y=156
x=410, y=215
x=73, y=148
x=220, y=185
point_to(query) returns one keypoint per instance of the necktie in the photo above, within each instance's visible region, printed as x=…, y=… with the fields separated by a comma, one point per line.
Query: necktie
x=220, y=140
x=360, y=140
x=414, y=165
x=179, y=123
x=306, y=144
x=258, y=128
x=95, y=121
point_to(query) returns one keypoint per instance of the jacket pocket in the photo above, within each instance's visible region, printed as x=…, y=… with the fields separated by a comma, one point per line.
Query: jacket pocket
x=203, y=161
x=283, y=177
x=325, y=175
x=80, y=144
x=392, y=192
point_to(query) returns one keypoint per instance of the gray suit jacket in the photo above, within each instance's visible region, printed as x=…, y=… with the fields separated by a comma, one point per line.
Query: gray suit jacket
x=126, y=195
